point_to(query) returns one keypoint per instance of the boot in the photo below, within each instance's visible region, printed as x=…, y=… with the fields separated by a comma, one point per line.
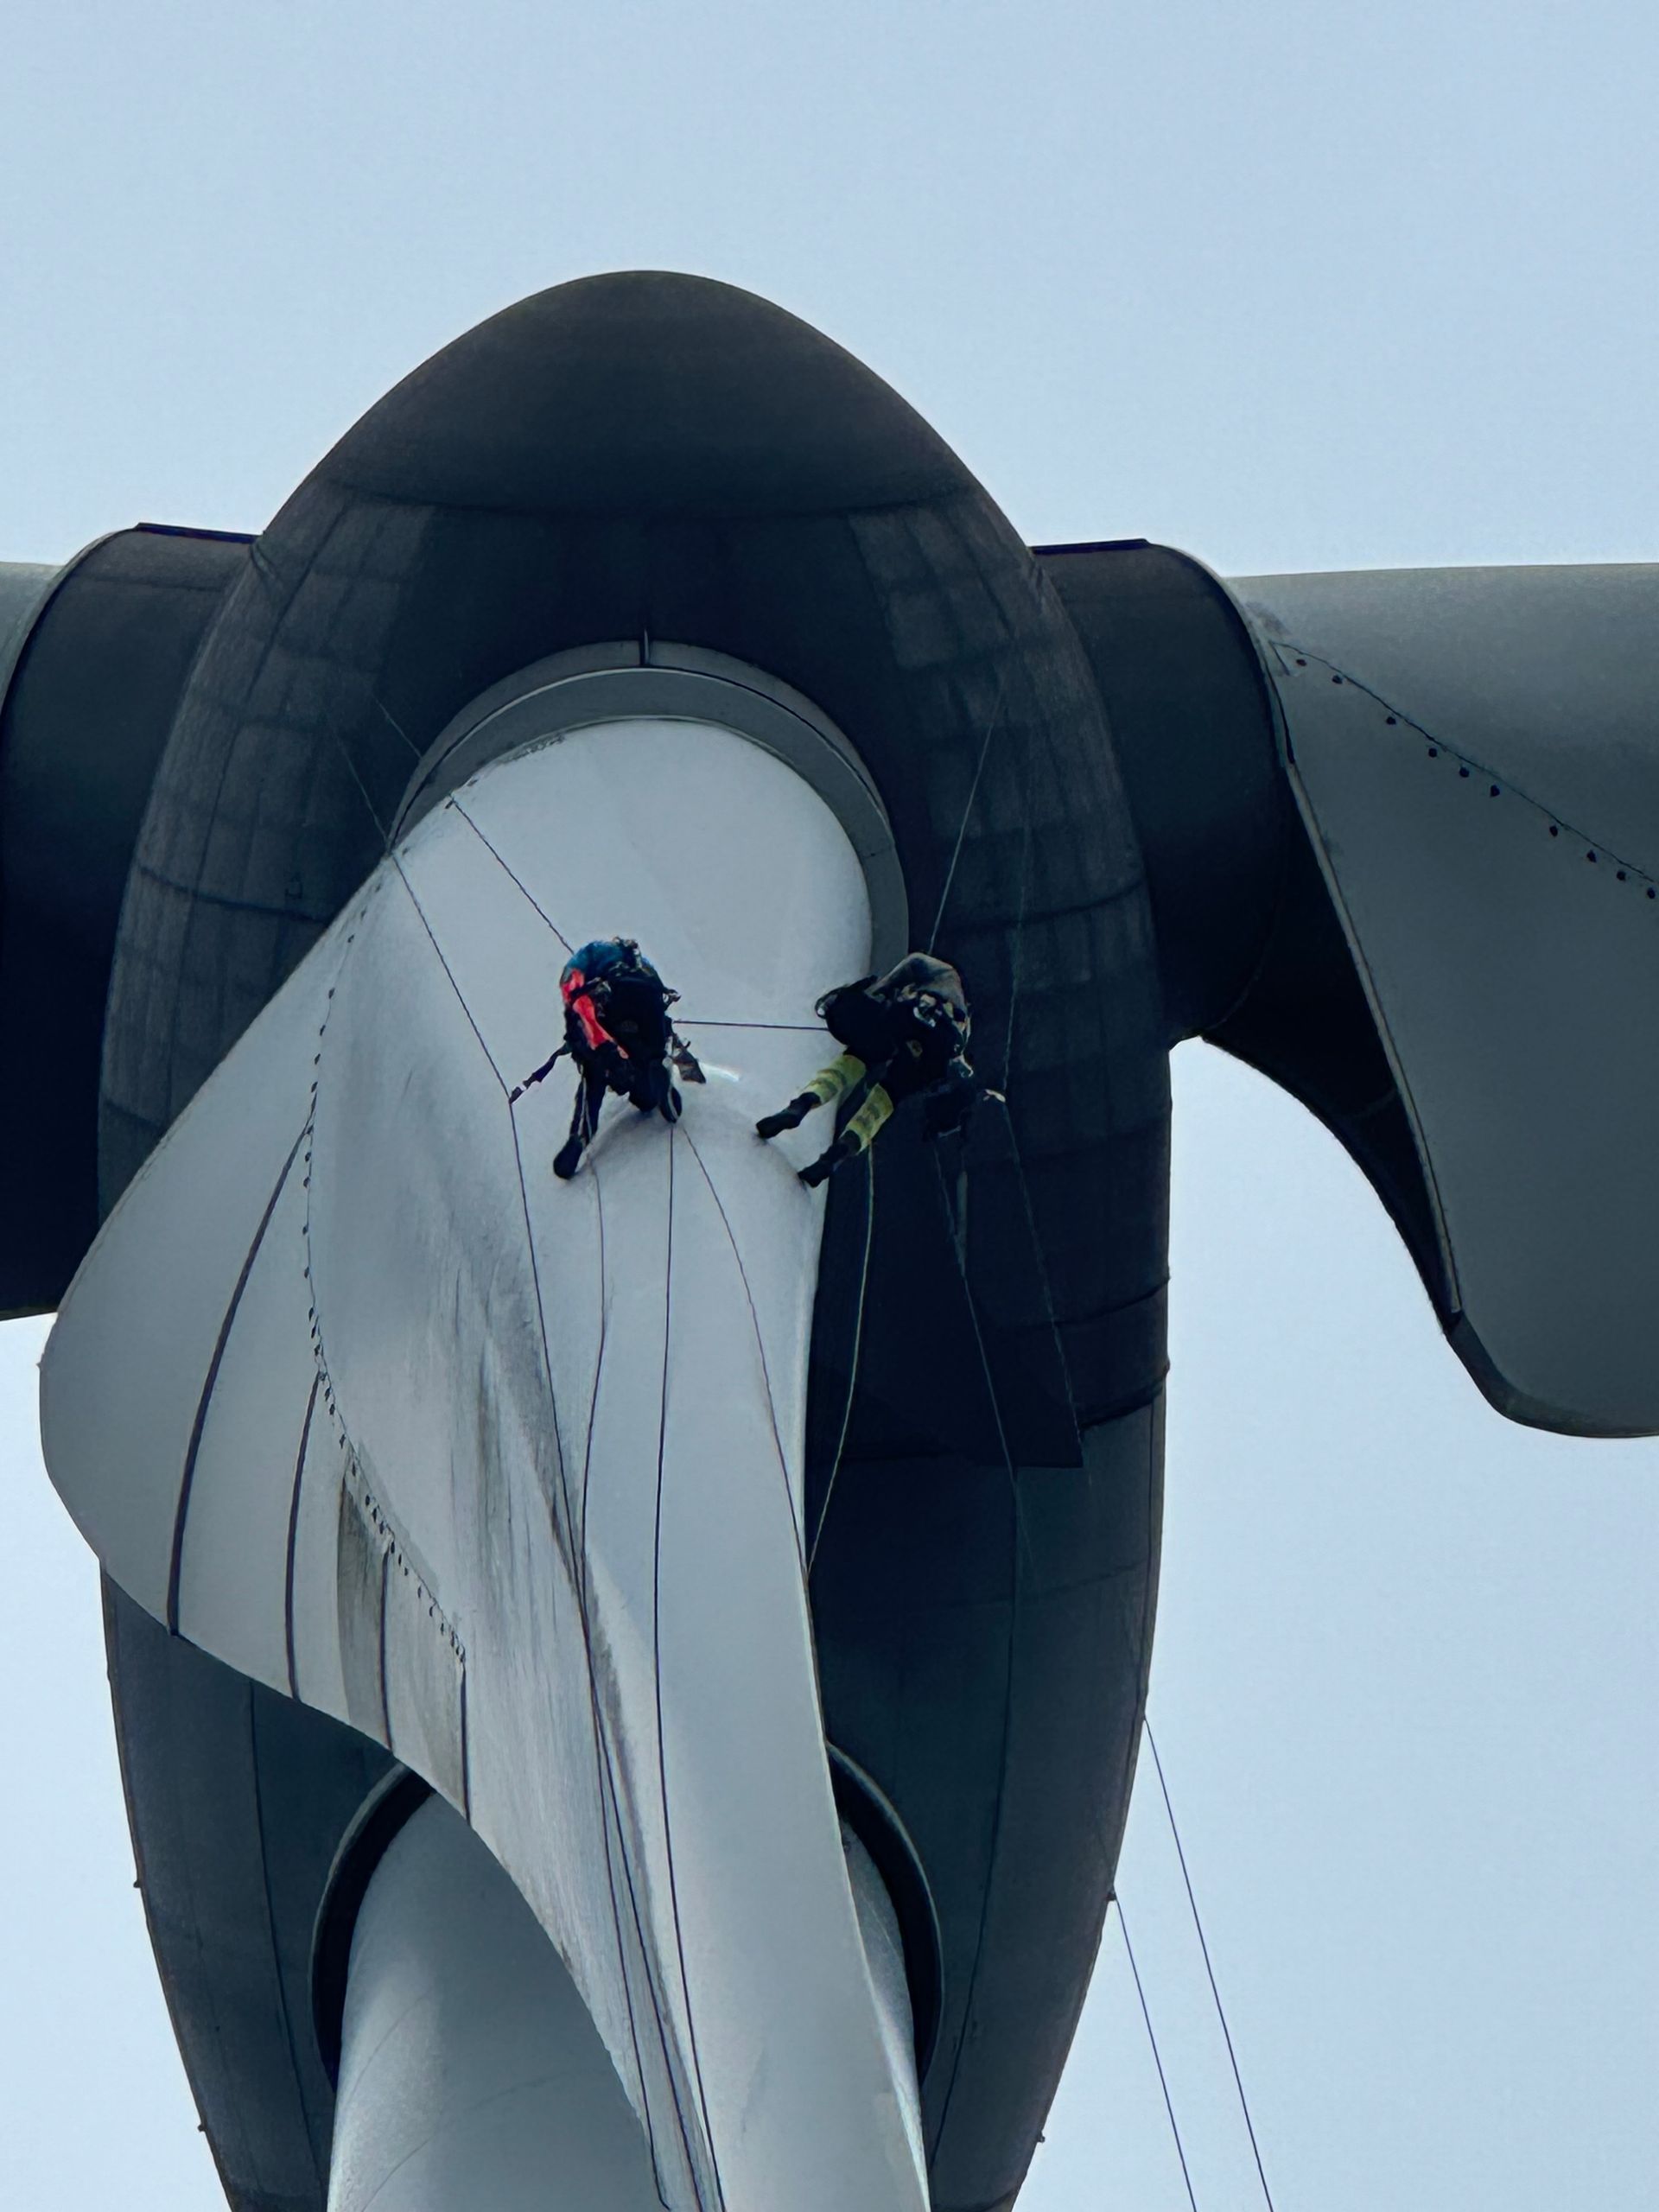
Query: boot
x=567, y=1159
x=825, y=1164
x=788, y=1117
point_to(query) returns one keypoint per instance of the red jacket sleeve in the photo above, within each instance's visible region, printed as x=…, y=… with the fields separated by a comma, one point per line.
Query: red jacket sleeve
x=578, y=1000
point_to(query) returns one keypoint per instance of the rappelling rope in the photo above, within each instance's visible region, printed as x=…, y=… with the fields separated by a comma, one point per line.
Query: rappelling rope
x=656, y=1674
x=578, y=1565
x=1052, y=1315
x=579, y=1561
x=509, y=874
x=1238, y=2080
x=686, y=1020
x=852, y=1364
x=395, y=724
x=709, y=1022
x=759, y=1346
x=1003, y=1445
x=601, y=1757
x=712, y=1022
x=363, y=793
x=696, y=2065
x=968, y=808
x=600, y=1730
x=1157, y=2055
x=1023, y=1544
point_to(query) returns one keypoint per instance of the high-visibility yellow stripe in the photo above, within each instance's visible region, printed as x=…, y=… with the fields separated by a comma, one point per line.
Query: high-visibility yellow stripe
x=860, y=1133
x=841, y=1074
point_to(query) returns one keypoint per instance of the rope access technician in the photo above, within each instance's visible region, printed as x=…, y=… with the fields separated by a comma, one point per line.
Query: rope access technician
x=906, y=1036
x=617, y=1032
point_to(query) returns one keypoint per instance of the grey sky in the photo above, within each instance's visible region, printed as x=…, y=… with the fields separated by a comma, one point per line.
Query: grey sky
x=1295, y=287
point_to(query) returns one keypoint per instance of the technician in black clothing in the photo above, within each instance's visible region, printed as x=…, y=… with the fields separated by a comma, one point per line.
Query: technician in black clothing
x=617, y=1029
x=906, y=1036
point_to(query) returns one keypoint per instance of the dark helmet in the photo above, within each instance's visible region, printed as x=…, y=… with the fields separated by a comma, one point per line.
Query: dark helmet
x=919, y=977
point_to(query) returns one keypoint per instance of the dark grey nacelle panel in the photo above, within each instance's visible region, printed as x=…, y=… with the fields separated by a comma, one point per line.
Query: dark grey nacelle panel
x=1549, y=674
x=25, y=587
x=92, y=657
x=1475, y=756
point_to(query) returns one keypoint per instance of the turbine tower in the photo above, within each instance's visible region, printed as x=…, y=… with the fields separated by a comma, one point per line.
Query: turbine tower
x=628, y=1688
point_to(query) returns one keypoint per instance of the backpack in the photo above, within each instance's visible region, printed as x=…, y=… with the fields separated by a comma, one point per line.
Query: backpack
x=629, y=996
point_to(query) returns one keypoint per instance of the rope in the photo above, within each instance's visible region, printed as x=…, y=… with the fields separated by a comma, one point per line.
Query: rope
x=1017, y=962
x=603, y=1756
x=1023, y=1543
x=759, y=1346
x=461, y=1000
x=656, y=1674
x=852, y=1369
x=363, y=793
x=609, y=1808
x=709, y=1021
x=968, y=810
x=392, y=719
x=1157, y=2057
x=599, y=1364
x=508, y=872
x=607, y=1777
x=1239, y=2081
x=602, y=1732
x=1016, y=965
x=579, y=1577
x=985, y=1368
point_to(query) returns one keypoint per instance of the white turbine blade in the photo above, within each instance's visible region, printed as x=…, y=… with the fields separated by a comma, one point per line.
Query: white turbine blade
x=145, y=1328
x=558, y=1426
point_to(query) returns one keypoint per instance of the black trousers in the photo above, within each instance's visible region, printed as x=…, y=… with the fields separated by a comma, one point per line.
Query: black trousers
x=645, y=1085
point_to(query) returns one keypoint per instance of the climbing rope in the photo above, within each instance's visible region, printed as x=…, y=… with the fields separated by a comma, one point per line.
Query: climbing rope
x=1220, y=2014
x=968, y=808
x=852, y=1364
x=1157, y=2055
x=579, y=1570
x=607, y=1777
